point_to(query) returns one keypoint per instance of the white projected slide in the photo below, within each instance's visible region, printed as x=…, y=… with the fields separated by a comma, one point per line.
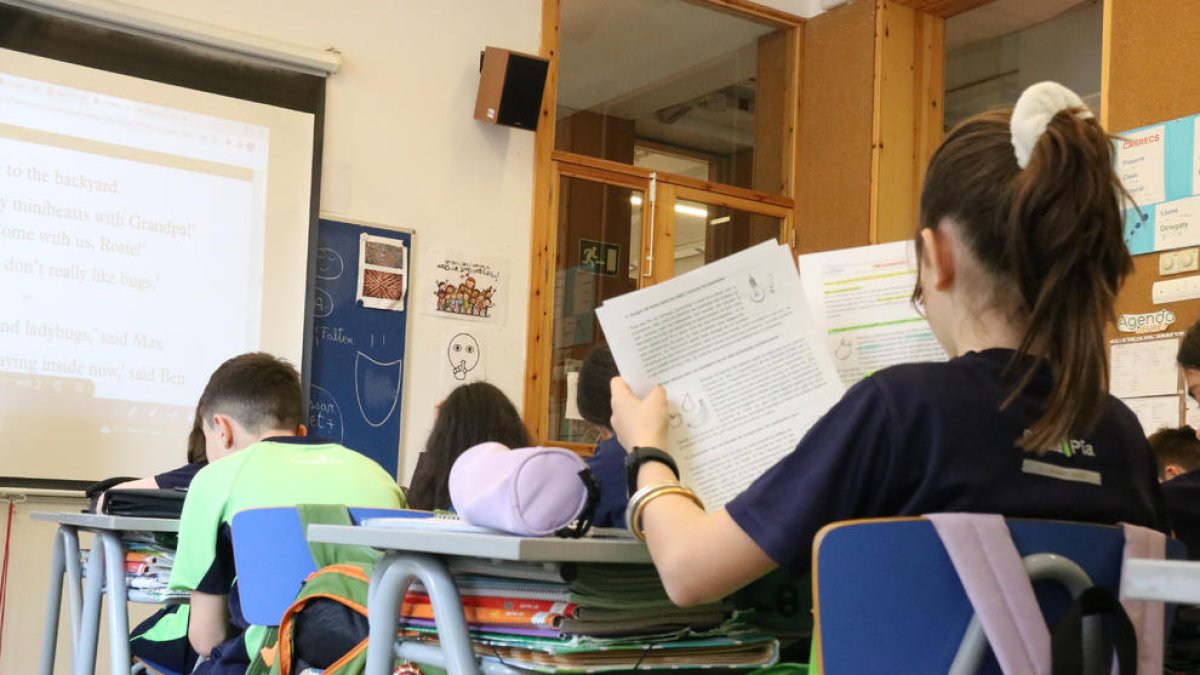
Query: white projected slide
x=132, y=239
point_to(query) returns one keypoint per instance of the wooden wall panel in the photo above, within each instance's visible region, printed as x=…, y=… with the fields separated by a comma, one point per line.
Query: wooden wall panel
x=909, y=63
x=833, y=182
x=1150, y=54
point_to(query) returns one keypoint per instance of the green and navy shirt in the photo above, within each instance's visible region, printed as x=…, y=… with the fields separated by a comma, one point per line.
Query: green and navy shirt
x=279, y=471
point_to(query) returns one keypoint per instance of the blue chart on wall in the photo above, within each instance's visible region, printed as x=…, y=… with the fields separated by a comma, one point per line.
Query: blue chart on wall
x=360, y=321
x=1159, y=166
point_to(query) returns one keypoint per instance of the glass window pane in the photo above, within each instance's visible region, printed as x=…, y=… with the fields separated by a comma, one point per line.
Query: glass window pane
x=599, y=226
x=678, y=76
x=704, y=233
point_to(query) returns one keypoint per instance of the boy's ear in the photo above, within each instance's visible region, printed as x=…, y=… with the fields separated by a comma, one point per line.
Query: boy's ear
x=1172, y=470
x=939, y=255
x=224, y=428
x=301, y=430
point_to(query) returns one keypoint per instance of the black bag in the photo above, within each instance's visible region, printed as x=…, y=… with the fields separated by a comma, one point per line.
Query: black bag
x=93, y=491
x=145, y=503
x=1066, y=636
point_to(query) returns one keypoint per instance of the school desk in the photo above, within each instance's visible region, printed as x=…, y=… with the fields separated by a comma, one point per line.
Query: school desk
x=106, y=560
x=421, y=555
x=1166, y=580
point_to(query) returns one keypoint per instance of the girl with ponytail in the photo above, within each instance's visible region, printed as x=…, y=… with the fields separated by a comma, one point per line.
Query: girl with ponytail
x=1021, y=256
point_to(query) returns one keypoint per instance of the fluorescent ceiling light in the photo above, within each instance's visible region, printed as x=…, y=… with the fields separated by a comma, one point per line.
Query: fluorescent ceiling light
x=686, y=210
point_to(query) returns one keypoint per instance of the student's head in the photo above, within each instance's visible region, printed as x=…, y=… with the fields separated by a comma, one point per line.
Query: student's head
x=248, y=398
x=592, y=394
x=472, y=414
x=1189, y=360
x=1177, y=451
x=1032, y=254
x=196, y=445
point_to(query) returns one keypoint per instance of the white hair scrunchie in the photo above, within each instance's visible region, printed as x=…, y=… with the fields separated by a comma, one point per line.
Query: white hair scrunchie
x=1034, y=110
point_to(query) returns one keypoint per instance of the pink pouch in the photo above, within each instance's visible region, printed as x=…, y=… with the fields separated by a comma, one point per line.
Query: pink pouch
x=524, y=491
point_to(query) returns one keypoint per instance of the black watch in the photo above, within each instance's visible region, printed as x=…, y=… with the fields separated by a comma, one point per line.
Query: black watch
x=640, y=455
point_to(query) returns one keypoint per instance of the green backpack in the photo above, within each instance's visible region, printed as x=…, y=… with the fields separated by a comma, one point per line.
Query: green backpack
x=335, y=597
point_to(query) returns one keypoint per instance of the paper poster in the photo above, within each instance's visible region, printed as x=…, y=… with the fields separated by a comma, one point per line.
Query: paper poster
x=463, y=359
x=1160, y=167
x=862, y=300
x=467, y=285
x=1177, y=224
x=1141, y=164
x=1195, y=156
x=1144, y=367
x=382, y=272
x=1191, y=412
x=1155, y=412
x=572, y=407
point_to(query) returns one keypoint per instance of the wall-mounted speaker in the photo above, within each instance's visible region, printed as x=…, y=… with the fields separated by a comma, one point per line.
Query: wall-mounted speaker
x=510, y=88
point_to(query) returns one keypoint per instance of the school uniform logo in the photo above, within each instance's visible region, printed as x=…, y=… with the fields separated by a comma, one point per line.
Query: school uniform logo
x=1070, y=448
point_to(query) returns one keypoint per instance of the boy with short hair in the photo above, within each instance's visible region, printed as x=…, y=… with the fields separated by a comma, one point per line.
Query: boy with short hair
x=252, y=412
x=1177, y=452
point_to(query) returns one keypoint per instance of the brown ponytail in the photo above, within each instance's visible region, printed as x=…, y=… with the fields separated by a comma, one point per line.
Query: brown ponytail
x=1050, y=236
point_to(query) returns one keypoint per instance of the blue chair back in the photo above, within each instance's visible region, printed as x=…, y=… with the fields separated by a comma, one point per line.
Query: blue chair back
x=272, y=557
x=887, y=598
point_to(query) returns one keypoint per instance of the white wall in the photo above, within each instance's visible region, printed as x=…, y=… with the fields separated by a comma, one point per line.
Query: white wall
x=401, y=149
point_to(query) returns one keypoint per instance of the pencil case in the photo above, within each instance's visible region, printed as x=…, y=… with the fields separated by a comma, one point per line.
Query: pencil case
x=524, y=491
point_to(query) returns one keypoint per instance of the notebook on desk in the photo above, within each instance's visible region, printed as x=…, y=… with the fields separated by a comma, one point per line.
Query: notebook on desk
x=145, y=503
x=446, y=522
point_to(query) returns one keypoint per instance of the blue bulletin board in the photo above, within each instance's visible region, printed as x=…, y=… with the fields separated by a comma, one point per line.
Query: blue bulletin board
x=360, y=330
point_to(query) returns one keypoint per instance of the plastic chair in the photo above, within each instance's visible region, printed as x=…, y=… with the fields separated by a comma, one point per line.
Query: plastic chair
x=273, y=560
x=887, y=599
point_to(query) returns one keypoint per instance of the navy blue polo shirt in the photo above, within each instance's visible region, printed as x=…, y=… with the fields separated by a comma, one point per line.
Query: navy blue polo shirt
x=1183, y=504
x=179, y=478
x=608, y=468
x=930, y=437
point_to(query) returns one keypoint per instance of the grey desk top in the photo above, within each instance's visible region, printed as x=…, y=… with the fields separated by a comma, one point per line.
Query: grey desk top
x=477, y=545
x=95, y=521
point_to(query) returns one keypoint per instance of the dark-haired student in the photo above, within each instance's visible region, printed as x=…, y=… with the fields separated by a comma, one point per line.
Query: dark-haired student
x=162, y=638
x=1178, y=454
x=251, y=415
x=177, y=478
x=607, y=462
x=473, y=413
x=1020, y=255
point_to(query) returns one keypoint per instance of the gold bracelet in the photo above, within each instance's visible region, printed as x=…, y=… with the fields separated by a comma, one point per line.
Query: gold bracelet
x=661, y=490
x=636, y=498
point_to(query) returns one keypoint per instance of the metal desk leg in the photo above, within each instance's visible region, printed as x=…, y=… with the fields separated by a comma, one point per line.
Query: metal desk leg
x=70, y=542
x=89, y=620
x=389, y=582
x=54, y=605
x=118, y=609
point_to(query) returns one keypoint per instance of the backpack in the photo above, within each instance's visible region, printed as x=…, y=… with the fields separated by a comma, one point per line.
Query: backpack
x=326, y=626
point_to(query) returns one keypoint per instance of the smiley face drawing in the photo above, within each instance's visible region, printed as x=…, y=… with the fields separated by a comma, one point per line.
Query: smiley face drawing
x=463, y=353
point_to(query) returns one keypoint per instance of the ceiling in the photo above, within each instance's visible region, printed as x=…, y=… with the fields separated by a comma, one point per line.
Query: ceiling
x=1002, y=17
x=683, y=72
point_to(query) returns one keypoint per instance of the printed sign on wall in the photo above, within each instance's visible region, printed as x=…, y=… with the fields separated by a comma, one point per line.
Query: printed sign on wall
x=1159, y=168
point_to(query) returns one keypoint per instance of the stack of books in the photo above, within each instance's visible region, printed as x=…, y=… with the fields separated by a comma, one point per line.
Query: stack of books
x=147, y=571
x=588, y=618
x=148, y=562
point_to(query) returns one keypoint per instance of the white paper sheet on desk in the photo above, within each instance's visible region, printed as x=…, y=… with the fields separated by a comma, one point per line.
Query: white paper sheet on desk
x=1144, y=367
x=743, y=363
x=862, y=298
x=445, y=524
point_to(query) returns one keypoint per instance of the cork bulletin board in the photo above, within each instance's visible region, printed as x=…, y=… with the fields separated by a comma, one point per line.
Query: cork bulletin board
x=1150, y=51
